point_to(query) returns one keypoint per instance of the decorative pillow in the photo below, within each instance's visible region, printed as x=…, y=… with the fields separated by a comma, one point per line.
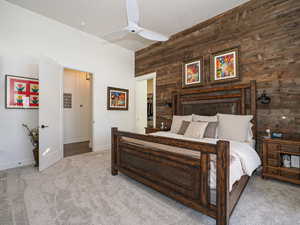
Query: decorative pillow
x=196, y=129
x=184, y=126
x=234, y=127
x=176, y=122
x=205, y=118
x=211, y=130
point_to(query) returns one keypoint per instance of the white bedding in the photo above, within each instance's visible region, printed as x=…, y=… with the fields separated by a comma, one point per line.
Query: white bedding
x=244, y=159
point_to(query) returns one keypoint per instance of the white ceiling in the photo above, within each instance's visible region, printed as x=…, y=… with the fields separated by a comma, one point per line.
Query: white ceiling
x=104, y=16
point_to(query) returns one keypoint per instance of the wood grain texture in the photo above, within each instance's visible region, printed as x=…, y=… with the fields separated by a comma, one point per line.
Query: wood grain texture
x=76, y=148
x=273, y=149
x=268, y=35
x=223, y=200
x=114, y=146
x=181, y=177
x=197, y=101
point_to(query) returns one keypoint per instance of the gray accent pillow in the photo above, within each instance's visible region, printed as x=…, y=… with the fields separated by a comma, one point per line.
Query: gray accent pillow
x=211, y=130
x=184, y=126
x=196, y=130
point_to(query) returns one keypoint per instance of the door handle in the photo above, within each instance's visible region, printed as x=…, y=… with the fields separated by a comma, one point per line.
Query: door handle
x=44, y=126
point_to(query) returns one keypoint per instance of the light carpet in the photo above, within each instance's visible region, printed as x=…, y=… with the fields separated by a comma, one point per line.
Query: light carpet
x=79, y=190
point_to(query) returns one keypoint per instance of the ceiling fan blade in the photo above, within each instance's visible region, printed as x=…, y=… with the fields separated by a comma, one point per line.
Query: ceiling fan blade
x=132, y=11
x=151, y=35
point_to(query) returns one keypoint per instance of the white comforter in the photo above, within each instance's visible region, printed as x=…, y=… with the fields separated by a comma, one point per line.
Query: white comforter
x=244, y=159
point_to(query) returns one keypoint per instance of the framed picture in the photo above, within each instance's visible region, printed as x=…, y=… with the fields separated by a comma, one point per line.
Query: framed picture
x=21, y=92
x=117, y=98
x=192, y=73
x=224, y=66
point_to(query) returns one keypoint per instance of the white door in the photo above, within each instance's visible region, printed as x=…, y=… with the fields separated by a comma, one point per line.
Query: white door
x=141, y=105
x=50, y=113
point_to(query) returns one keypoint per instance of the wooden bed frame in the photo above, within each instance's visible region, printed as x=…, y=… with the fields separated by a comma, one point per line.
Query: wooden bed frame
x=182, y=177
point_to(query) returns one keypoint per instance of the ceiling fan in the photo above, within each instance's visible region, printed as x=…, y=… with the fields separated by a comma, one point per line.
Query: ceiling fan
x=133, y=24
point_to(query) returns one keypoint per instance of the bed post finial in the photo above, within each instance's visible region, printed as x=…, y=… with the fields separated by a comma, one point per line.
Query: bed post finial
x=114, y=148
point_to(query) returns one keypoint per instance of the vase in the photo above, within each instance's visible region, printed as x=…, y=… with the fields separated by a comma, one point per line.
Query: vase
x=36, y=156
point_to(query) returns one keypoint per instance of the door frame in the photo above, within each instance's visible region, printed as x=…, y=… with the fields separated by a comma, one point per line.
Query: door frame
x=92, y=104
x=150, y=76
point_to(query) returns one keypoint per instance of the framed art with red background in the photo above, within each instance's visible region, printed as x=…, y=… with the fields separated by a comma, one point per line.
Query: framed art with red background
x=21, y=92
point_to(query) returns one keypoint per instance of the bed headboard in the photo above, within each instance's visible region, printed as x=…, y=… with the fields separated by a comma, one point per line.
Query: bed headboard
x=236, y=99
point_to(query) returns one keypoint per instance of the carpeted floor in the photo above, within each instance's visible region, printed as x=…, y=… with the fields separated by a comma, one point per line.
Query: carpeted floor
x=79, y=190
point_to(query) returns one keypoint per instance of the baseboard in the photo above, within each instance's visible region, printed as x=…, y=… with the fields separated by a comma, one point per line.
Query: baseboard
x=5, y=166
x=101, y=148
x=16, y=164
x=75, y=140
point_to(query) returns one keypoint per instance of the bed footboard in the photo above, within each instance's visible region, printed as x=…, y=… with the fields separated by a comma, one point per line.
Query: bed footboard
x=181, y=177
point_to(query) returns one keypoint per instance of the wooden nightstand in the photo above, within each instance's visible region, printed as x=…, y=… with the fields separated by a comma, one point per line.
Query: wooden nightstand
x=273, y=151
x=149, y=130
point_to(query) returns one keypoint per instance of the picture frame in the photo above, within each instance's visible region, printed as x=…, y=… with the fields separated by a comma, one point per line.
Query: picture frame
x=225, y=66
x=117, y=98
x=21, y=92
x=193, y=73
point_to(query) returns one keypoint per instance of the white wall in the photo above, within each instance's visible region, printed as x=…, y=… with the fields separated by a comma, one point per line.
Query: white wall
x=15, y=145
x=77, y=120
x=25, y=33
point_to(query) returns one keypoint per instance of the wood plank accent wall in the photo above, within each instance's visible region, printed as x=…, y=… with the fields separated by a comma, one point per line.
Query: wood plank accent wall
x=268, y=34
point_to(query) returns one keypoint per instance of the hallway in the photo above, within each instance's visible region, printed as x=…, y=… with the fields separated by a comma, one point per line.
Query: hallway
x=76, y=148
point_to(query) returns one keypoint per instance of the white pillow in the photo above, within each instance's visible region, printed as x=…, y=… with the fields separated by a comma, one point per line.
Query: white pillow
x=196, y=130
x=234, y=127
x=205, y=118
x=177, y=121
x=250, y=133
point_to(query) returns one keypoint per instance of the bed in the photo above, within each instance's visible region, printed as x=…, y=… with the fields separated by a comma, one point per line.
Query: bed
x=207, y=174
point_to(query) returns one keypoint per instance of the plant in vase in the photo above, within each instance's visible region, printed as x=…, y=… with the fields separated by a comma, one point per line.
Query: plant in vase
x=34, y=138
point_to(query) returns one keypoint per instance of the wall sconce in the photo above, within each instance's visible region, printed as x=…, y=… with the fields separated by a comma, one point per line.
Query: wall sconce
x=88, y=76
x=264, y=99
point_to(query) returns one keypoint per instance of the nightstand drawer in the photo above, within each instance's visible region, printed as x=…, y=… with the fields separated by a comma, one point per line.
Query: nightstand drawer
x=290, y=148
x=290, y=175
x=272, y=171
x=273, y=162
x=273, y=155
x=273, y=147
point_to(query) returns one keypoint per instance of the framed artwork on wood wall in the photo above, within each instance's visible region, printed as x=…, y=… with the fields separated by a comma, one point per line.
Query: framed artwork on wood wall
x=21, y=92
x=193, y=73
x=225, y=66
x=117, y=98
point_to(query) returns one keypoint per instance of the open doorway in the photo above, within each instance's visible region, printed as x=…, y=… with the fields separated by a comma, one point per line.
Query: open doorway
x=77, y=112
x=145, y=94
x=150, y=103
